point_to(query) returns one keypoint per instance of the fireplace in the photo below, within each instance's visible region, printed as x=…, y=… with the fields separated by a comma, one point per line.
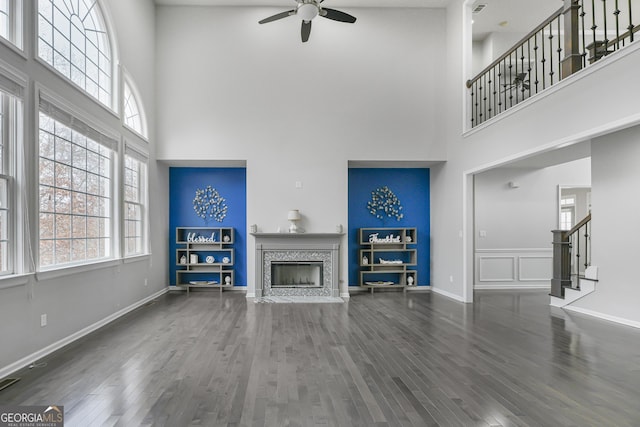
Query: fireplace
x=296, y=274
x=297, y=264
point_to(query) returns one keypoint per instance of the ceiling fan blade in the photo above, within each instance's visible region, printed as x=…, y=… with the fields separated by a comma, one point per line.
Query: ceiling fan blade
x=278, y=16
x=336, y=15
x=305, y=30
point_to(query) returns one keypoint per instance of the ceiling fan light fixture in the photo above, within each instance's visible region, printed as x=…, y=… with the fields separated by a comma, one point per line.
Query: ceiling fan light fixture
x=308, y=11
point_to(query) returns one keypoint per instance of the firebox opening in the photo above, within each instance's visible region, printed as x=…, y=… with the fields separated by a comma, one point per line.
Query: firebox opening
x=296, y=274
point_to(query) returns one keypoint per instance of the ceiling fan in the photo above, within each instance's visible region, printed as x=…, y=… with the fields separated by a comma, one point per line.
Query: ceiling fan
x=306, y=11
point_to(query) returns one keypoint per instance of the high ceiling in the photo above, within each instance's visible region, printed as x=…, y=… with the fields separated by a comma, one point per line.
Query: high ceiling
x=498, y=16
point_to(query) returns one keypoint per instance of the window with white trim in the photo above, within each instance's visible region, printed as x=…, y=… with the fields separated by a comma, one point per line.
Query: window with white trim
x=133, y=117
x=135, y=203
x=10, y=115
x=76, y=190
x=73, y=39
x=11, y=21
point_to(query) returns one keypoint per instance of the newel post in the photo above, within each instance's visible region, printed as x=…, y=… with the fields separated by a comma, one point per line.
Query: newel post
x=572, y=61
x=561, y=263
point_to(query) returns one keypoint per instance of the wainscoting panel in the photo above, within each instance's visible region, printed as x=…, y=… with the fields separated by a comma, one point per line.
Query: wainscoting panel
x=513, y=268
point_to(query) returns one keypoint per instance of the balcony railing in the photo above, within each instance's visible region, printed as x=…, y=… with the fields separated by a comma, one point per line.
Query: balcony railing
x=575, y=36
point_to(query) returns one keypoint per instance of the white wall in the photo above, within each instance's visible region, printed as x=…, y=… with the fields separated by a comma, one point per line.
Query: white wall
x=615, y=227
x=77, y=302
x=513, y=225
x=588, y=104
x=230, y=89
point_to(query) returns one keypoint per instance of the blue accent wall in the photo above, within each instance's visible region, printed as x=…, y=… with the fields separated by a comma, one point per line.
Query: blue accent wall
x=411, y=186
x=231, y=183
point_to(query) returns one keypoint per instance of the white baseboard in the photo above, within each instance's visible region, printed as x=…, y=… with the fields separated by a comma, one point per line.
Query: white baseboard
x=447, y=294
x=32, y=358
x=627, y=322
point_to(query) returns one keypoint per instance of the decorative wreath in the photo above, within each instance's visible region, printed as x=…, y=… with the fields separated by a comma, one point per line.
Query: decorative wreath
x=209, y=204
x=384, y=203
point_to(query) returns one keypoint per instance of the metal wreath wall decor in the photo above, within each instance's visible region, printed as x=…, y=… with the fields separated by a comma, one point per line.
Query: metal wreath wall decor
x=208, y=204
x=384, y=203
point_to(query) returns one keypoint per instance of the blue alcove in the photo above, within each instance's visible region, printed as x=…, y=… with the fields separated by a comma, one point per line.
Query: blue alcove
x=411, y=186
x=231, y=183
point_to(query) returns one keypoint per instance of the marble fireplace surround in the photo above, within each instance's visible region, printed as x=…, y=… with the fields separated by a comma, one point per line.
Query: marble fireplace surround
x=302, y=247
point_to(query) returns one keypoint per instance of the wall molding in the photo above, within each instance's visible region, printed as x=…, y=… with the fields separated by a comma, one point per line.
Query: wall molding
x=521, y=277
x=481, y=270
x=38, y=355
x=513, y=268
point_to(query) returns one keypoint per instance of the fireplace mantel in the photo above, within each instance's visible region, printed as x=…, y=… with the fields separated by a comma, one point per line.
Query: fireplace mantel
x=293, y=247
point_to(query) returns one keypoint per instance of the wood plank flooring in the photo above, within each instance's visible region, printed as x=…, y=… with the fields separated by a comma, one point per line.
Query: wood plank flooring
x=383, y=359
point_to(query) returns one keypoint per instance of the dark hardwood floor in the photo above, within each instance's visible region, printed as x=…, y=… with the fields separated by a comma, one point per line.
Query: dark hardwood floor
x=383, y=359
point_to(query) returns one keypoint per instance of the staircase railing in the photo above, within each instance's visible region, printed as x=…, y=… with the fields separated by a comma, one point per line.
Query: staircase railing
x=575, y=36
x=571, y=255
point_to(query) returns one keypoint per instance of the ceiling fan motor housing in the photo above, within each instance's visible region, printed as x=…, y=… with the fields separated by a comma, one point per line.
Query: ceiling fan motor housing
x=308, y=10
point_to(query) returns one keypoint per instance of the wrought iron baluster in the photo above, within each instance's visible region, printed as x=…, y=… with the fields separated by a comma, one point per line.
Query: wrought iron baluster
x=616, y=13
x=474, y=120
x=551, y=72
x=631, y=27
x=535, y=54
x=593, y=22
x=529, y=66
x=584, y=49
x=586, y=246
x=559, y=45
x=605, y=45
x=495, y=85
x=544, y=61
x=483, y=88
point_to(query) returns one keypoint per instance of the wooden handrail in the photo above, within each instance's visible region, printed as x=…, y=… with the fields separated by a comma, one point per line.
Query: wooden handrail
x=579, y=225
x=515, y=46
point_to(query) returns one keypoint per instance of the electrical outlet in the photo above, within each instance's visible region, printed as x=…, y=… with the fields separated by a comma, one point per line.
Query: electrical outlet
x=43, y=320
x=451, y=279
x=146, y=282
x=298, y=184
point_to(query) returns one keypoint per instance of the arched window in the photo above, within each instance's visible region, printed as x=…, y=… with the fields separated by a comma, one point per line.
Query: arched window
x=133, y=117
x=73, y=39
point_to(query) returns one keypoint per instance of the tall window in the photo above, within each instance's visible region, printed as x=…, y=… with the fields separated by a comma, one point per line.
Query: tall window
x=132, y=111
x=4, y=190
x=72, y=38
x=10, y=108
x=11, y=21
x=135, y=183
x=75, y=216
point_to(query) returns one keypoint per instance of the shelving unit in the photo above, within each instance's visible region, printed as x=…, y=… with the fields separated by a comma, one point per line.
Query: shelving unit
x=386, y=255
x=204, y=257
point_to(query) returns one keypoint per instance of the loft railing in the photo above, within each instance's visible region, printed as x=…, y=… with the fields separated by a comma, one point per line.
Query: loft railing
x=575, y=36
x=571, y=256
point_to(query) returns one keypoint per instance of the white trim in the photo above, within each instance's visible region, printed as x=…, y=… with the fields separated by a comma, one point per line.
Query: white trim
x=519, y=250
x=532, y=279
x=511, y=287
x=448, y=295
x=60, y=102
x=16, y=76
x=14, y=280
x=513, y=269
x=74, y=85
x=7, y=370
x=70, y=270
x=616, y=319
x=136, y=258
